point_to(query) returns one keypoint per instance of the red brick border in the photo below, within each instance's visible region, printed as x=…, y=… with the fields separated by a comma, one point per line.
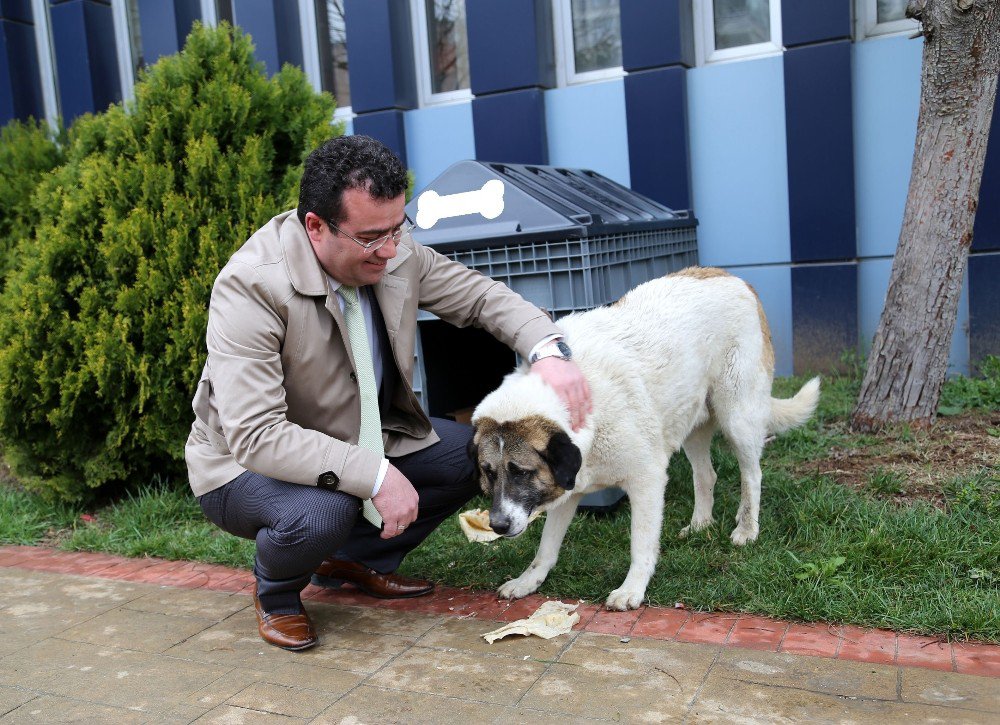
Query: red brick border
x=730, y=629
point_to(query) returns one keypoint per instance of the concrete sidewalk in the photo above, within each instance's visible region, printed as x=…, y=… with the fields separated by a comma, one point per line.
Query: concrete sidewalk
x=149, y=641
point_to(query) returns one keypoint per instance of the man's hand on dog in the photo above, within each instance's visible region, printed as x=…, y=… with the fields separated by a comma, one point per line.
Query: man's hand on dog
x=396, y=501
x=566, y=379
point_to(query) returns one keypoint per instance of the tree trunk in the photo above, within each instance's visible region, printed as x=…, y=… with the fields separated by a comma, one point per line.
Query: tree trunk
x=909, y=356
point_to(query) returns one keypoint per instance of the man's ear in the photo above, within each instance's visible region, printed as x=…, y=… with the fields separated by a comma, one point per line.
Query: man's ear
x=564, y=458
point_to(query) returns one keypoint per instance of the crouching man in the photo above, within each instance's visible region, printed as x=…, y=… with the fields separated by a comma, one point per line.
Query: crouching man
x=307, y=436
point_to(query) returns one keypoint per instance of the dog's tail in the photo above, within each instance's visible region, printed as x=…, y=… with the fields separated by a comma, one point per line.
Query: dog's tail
x=793, y=412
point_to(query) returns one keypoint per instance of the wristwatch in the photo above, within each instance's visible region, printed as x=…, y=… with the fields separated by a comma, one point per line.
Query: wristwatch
x=556, y=348
x=328, y=480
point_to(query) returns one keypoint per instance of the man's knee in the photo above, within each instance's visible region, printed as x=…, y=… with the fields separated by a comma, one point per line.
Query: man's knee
x=321, y=522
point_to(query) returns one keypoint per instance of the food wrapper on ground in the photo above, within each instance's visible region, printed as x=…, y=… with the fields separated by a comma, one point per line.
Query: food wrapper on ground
x=475, y=525
x=548, y=621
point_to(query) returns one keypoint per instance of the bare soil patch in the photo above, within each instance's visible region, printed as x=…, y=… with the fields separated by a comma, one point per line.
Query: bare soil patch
x=906, y=465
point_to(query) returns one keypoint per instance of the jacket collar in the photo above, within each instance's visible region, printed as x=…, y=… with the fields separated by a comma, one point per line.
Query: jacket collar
x=304, y=271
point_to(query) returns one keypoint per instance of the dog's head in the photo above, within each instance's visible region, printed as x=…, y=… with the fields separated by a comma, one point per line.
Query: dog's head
x=523, y=465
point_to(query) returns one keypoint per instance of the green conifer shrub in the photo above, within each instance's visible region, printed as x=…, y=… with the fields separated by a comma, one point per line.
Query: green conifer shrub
x=28, y=150
x=102, y=322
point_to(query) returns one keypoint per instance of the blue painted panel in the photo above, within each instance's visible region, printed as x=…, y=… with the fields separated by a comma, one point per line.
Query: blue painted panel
x=380, y=49
x=873, y=283
x=498, y=64
x=656, y=33
x=738, y=169
x=886, y=104
x=436, y=138
x=820, y=140
x=824, y=315
x=387, y=127
x=601, y=144
x=274, y=27
x=774, y=287
x=510, y=127
x=656, y=119
x=986, y=234
x=83, y=39
x=20, y=82
x=164, y=26
x=19, y=10
x=984, y=305
x=815, y=21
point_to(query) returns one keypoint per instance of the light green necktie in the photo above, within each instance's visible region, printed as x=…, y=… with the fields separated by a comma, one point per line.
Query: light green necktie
x=371, y=421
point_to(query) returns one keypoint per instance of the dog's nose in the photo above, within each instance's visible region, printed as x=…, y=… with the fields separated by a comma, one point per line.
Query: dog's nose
x=500, y=523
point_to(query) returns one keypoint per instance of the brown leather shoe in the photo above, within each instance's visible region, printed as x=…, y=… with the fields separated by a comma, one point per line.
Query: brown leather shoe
x=334, y=572
x=288, y=631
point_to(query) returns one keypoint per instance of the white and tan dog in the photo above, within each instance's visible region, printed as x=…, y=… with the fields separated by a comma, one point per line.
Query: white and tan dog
x=672, y=361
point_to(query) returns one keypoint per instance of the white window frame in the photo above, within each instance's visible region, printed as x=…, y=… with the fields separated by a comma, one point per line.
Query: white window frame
x=310, y=55
x=422, y=62
x=123, y=49
x=868, y=26
x=565, y=50
x=46, y=60
x=705, y=36
x=209, y=16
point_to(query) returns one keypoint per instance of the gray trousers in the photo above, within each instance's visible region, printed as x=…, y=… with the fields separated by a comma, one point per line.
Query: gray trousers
x=296, y=526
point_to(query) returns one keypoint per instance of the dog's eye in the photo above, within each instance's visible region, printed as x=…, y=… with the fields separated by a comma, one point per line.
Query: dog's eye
x=490, y=473
x=515, y=470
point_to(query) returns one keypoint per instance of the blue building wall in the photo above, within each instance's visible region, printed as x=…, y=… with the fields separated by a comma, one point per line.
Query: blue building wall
x=796, y=164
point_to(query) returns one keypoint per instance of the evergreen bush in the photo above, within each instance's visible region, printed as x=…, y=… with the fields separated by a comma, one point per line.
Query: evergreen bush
x=102, y=322
x=28, y=150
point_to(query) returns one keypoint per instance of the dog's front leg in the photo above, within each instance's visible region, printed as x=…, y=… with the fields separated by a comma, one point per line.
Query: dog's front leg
x=556, y=523
x=646, y=502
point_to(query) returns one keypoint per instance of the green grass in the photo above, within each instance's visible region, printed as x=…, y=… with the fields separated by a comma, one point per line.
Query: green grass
x=826, y=552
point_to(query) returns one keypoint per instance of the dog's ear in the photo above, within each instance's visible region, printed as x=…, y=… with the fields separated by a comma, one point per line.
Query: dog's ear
x=564, y=459
x=472, y=448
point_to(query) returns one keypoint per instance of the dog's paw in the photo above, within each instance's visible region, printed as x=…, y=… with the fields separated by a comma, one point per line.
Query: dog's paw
x=518, y=588
x=743, y=535
x=696, y=526
x=623, y=599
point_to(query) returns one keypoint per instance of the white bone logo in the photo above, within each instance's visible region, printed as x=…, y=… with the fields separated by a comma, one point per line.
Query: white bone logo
x=488, y=201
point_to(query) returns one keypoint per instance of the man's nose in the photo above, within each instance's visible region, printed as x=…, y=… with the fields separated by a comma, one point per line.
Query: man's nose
x=387, y=251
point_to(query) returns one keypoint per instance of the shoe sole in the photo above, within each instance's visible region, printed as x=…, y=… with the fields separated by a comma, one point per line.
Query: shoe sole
x=331, y=583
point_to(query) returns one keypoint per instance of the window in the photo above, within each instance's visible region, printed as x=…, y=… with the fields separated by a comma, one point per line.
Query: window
x=442, y=49
x=332, y=38
x=588, y=40
x=46, y=61
x=128, y=42
x=881, y=17
x=733, y=29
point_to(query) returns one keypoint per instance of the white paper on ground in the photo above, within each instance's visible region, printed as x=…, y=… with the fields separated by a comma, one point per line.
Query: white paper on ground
x=475, y=525
x=548, y=621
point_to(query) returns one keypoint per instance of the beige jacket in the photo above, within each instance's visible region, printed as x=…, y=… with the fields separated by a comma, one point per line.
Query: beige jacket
x=277, y=395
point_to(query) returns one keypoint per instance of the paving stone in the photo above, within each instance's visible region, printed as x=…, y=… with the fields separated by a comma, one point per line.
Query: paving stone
x=726, y=700
x=136, y=630
x=946, y=688
x=105, y=675
x=192, y=602
x=519, y=716
x=757, y=633
x=707, y=628
x=818, y=640
x=54, y=709
x=228, y=715
x=237, y=643
x=282, y=700
x=868, y=645
x=973, y=658
x=376, y=705
x=620, y=623
x=305, y=676
x=660, y=623
x=923, y=652
x=11, y=697
x=818, y=674
x=482, y=678
x=599, y=676
x=387, y=621
x=466, y=635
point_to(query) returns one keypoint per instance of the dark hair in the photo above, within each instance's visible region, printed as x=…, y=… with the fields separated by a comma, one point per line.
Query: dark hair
x=348, y=162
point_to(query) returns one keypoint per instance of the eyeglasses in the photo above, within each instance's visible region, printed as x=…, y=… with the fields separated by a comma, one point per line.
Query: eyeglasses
x=371, y=245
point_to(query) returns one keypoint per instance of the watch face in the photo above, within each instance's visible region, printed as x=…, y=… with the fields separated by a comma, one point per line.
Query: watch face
x=564, y=349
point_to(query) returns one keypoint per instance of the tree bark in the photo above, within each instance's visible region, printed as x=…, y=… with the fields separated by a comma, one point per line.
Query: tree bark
x=909, y=355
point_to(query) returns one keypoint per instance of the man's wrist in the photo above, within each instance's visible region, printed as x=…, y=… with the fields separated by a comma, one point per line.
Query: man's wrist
x=556, y=347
